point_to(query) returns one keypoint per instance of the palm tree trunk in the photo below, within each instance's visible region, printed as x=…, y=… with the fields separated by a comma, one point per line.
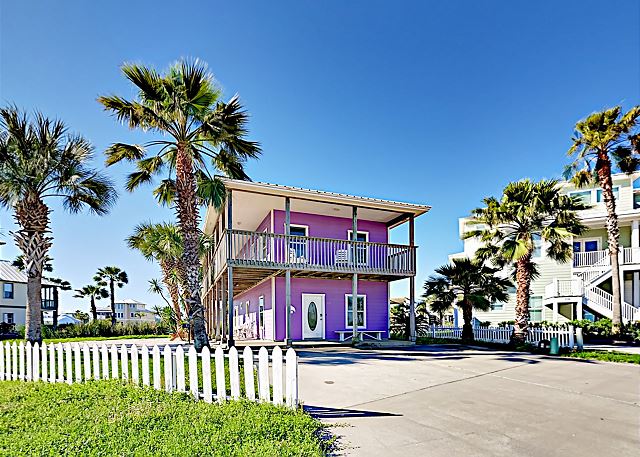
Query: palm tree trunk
x=188, y=219
x=94, y=311
x=467, y=316
x=613, y=236
x=113, y=303
x=523, y=284
x=32, y=215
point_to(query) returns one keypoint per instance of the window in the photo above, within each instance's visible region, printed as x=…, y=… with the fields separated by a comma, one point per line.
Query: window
x=586, y=245
x=361, y=250
x=535, y=308
x=8, y=290
x=497, y=306
x=361, y=314
x=584, y=196
x=132, y=306
x=132, y=315
x=261, y=315
x=8, y=318
x=600, y=197
x=298, y=246
x=537, y=246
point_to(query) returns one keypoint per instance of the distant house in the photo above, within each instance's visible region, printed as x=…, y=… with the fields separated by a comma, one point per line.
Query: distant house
x=128, y=311
x=68, y=319
x=13, y=295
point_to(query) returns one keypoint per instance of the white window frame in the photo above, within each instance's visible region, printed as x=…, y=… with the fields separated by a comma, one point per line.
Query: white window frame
x=365, y=250
x=305, y=254
x=582, y=241
x=13, y=291
x=346, y=311
x=497, y=306
x=5, y=318
x=595, y=195
x=541, y=308
x=261, y=316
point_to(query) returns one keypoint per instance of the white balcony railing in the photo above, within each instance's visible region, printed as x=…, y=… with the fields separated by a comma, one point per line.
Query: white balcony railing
x=595, y=259
x=564, y=288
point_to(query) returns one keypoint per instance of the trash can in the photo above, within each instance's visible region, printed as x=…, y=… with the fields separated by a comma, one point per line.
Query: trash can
x=553, y=346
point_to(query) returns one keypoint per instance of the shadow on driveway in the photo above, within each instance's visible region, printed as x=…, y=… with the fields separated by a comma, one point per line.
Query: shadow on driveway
x=320, y=412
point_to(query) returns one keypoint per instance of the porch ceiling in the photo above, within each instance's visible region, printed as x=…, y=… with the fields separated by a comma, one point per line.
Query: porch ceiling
x=253, y=201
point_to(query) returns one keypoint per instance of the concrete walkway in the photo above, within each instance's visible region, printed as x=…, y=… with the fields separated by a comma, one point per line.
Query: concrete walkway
x=443, y=401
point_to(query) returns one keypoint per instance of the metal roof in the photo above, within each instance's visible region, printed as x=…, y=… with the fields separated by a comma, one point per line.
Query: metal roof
x=322, y=195
x=9, y=273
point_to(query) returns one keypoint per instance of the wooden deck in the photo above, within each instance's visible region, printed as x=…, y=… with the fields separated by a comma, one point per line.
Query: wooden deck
x=256, y=256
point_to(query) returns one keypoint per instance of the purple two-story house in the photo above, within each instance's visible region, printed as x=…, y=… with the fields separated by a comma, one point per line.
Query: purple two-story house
x=285, y=264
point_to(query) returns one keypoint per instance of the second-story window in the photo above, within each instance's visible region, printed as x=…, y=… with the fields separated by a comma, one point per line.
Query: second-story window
x=7, y=289
x=298, y=246
x=537, y=246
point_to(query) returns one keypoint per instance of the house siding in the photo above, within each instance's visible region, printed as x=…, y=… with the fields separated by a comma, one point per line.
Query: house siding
x=334, y=292
x=330, y=226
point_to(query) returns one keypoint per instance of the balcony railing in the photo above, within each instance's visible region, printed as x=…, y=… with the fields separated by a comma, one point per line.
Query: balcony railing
x=278, y=251
x=596, y=259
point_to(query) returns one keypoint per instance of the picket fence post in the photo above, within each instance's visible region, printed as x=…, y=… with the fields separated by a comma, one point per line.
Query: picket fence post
x=21, y=361
x=180, y=385
x=276, y=367
x=221, y=385
x=292, y=378
x=86, y=355
x=249, y=383
x=69, y=362
x=104, y=352
x=77, y=361
x=14, y=361
x=193, y=373
x=52, y=364
x=155, y=352
x=144, y=350
x=125, y=362
x=234, y=373
x=135, y=369
x=571, y=337
x=2, y=367
x=263, y=374
x=29, y=358
x=168, y=368
x=207, y=392
x=44, y=355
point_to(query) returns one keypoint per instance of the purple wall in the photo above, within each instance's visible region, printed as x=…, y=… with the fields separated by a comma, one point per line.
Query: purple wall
x=330, y=226
x=334, y=291
x=253, y=296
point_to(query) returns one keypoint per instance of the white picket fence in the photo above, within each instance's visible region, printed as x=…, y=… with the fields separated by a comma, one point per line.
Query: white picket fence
x=73, y=363
x=566, y=336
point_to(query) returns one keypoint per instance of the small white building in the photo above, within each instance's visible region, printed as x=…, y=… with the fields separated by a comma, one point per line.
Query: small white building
x=128, y=311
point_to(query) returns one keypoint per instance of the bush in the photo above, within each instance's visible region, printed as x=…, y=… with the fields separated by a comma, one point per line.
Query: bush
x=107, y=418
x=103, y=328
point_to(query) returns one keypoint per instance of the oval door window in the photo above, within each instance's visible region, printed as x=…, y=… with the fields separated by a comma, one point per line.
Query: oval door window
x=312, y=316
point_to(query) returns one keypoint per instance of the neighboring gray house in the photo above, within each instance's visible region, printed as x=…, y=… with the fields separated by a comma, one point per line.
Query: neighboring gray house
x=13, y=295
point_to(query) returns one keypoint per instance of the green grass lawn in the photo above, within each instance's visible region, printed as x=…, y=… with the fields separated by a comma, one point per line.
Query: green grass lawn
x=107, y=418
x=606, y=356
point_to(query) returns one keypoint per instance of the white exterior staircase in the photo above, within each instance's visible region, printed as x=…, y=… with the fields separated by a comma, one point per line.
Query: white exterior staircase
x=590, y=270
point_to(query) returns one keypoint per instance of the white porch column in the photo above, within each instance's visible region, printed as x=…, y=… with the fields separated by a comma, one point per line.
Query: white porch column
x=555, y=311
x=636, y=289
x=579, y=314
x=412, y=287
x=230, y=341
x=635, y=241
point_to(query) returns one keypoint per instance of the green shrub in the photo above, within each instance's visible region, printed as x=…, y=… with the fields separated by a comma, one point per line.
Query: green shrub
x=107, y=418
x=102, y=328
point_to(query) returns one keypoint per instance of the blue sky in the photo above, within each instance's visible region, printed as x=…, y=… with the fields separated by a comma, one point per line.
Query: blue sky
x=431, y=102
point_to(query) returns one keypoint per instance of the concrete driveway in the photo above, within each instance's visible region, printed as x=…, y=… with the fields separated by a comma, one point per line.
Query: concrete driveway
x=443, y=401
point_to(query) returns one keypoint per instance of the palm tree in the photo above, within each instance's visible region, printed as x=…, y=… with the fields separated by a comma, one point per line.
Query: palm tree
x=439, y=307
x=199, y=132
x=40, y=159
x=528, y=215
x=59, y=284
x=602, y=141
x=471, y=284
x=399, y=319
x=94, y=292
x=162, y=243
x=113, y=276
